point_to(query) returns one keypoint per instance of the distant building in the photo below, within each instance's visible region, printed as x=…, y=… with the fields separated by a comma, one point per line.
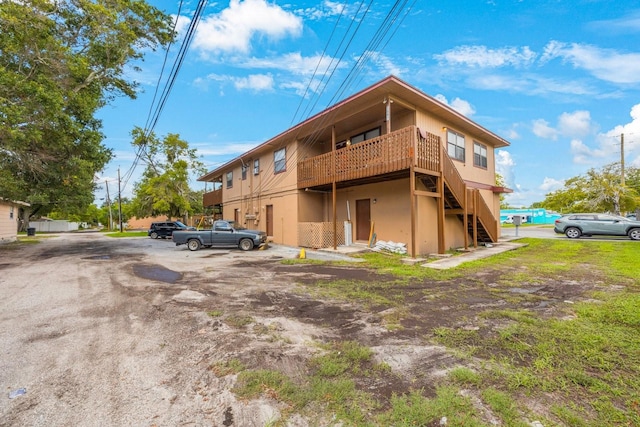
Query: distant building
x=9, y=219
x=529, y=216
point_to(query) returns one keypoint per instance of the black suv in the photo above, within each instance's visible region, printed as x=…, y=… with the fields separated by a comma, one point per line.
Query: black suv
x=165, y=229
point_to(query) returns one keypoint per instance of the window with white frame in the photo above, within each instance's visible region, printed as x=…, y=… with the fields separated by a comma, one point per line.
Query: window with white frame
x=455, y=145
x=229, y=179
x=280, y=160
x=10, y=212
x=479, y=155
x=256, y=166
x=244, y=171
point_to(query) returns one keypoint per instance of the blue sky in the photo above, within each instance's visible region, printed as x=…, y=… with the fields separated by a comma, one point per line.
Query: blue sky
x=558, y=79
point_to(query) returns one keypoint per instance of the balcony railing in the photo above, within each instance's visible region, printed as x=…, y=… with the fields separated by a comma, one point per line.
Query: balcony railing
x=212, y=198
x=377, y=156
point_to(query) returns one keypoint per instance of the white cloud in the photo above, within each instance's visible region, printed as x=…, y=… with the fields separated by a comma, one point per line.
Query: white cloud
x=605, y=64
x=292, y=62
x=483, y=57
x=575, y=124
x=385, y=64
x=233, y=29
x=542, y=129
x=505, y=167
x=626, y=24
x=326, y=10
x=551, y=184
x=460, y=105
x=582, y=154
x=256, y=82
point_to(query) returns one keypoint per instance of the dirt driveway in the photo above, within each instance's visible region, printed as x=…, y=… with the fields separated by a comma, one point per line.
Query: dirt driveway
x=103, y=331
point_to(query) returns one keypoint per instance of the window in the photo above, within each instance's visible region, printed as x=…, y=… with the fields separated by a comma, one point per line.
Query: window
x=371, y=133
x=229, y=179
x=10, y=212
x=256, y=166
x=280, y=160
x=479, y=155
x=244, y=171
x=455, y=145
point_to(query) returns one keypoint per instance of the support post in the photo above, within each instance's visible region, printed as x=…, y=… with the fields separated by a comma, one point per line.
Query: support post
x=333, y=187
x=412, y=178
x=119, y=202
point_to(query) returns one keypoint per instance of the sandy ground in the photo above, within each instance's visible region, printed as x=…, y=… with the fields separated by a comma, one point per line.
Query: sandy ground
x=114, y=332
x=102, y=331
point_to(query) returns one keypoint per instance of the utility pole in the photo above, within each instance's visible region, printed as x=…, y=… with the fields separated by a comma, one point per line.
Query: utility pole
x=119, y=202
x=106, y=183
x=622, y=159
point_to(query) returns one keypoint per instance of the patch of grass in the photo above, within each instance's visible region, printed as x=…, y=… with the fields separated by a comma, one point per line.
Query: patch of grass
x=504, y=406
x=344, y=357
x=215, y=313
x=370, y=293
x=413, y=409
x=331, y=385
x=227, y=367
x=392, y=264
x=125, y=233
x=466, y=376
x=238, y=321
x=392, y=318
x=594, y=358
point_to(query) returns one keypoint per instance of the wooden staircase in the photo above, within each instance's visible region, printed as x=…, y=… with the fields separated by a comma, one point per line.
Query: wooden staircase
x=465, y=203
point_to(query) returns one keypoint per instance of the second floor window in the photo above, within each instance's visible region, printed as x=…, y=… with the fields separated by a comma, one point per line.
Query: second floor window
x=479, y=155
x=244, y=171
x=280, y=160
x=455, y=145
x=229, y=179
x=256, y=166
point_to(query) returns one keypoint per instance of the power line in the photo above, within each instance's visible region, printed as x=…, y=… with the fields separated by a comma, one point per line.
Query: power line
x=155, y=111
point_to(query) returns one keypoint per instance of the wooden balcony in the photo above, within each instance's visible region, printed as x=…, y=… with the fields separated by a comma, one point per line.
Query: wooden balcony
x=379, y=156
x=212, y=198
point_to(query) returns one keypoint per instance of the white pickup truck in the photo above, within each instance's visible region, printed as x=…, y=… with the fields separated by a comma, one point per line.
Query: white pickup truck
x=222, y=234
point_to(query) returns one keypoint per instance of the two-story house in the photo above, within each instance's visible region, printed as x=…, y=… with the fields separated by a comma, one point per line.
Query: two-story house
x=389, y=162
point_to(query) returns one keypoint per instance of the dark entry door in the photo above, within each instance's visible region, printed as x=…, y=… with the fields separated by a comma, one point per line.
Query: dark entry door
x=269, y=220
x=363, y=219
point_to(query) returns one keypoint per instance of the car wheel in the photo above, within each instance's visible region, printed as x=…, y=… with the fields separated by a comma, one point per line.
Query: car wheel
x=572, y=232
x=634, y=234
x=245, y=244
x=153, y=235
x=193, y=244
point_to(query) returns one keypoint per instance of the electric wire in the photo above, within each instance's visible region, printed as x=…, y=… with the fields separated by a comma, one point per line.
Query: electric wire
x=156, y=112
x=379, y=36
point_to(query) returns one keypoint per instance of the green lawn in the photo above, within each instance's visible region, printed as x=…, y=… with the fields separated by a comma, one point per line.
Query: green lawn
x=577, y=365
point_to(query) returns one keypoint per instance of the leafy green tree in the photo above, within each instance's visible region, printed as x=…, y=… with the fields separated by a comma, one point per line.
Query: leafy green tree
x=597, y=190
x=164, y=187
x=60, y=62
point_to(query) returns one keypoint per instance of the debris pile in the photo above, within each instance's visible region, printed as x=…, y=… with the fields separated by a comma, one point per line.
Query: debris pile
x=396, y=248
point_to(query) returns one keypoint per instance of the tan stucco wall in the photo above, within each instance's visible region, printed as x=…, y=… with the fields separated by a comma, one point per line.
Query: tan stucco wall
x=8, y=225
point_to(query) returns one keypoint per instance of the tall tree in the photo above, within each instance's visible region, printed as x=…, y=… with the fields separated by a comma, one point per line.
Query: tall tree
x=60, y=61
x=164, y=187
